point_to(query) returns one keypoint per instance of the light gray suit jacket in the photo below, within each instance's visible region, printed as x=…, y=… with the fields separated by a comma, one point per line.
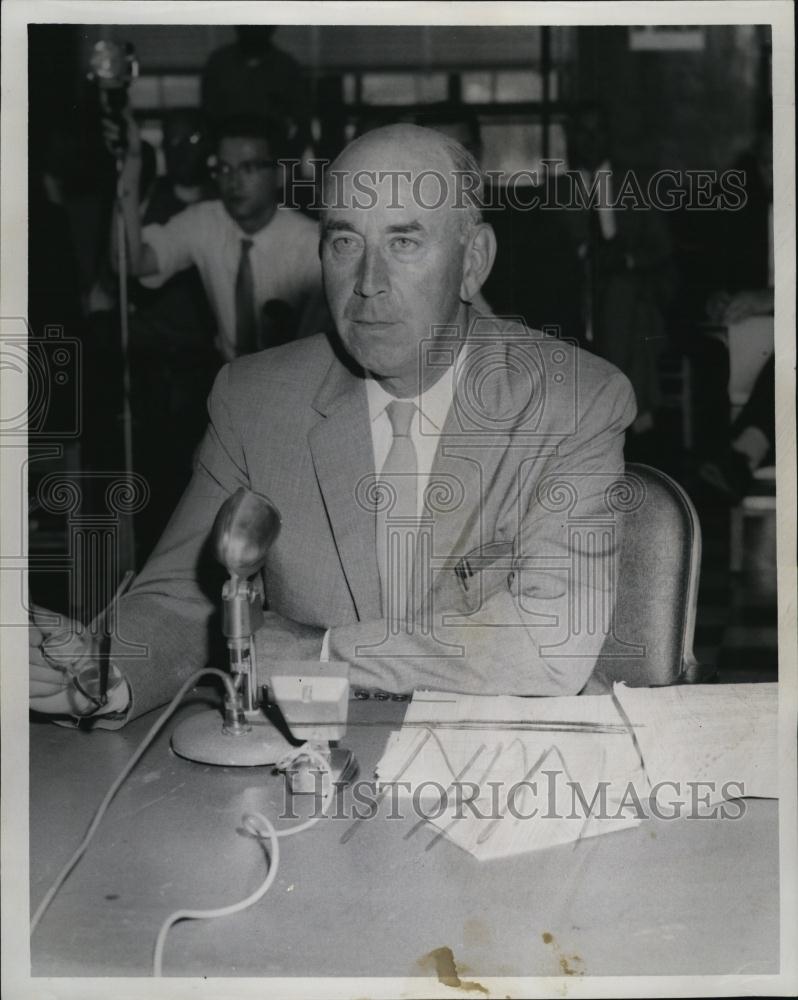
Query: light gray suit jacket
x=517, y=584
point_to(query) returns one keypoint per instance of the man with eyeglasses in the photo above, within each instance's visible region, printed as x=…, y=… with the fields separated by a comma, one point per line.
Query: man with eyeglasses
x=258, y=261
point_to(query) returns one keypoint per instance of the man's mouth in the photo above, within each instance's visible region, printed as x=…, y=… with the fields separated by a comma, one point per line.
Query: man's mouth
x=373, y=323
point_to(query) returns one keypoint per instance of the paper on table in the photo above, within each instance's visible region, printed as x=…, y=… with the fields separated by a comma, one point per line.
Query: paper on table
x=504, y=775
x=720, y=734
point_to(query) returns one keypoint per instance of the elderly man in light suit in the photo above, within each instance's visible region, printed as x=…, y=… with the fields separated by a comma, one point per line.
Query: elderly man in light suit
x=512, y=440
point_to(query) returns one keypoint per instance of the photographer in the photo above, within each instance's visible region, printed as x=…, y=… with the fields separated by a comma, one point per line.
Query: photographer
x=248, y=249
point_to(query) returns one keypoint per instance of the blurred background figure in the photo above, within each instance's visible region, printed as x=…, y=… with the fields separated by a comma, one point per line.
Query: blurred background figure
x=627, y=275
x=253, y=76
x=731, y=346
x=741, y=266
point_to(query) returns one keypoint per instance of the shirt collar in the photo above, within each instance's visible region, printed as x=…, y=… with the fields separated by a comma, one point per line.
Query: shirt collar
x=236, y=233
x=434, y=403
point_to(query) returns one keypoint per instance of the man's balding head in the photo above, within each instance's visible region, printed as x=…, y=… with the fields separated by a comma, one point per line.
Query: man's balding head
x=404, y=249
x=443, y=170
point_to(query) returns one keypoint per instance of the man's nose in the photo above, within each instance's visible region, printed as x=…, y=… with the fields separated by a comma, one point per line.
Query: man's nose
x=372, y=275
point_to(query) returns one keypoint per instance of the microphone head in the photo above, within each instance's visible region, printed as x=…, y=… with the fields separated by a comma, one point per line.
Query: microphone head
x=112, y=65
x=244, y=530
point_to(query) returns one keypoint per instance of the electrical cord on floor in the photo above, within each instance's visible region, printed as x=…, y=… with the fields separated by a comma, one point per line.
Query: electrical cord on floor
x=266, y=830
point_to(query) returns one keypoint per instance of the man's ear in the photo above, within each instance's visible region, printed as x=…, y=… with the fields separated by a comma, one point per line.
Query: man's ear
x=480, y=252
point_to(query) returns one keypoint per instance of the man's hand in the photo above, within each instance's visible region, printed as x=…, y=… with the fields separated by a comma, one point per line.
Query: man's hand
x=64, y=669
x=752, y=302
x=125, y=136
x=57, y=652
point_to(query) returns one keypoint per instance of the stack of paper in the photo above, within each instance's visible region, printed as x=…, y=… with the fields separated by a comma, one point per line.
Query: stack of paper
x=505, y=775
x=722, y=736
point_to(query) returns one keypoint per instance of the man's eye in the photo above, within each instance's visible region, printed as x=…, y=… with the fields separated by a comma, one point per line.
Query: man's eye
x=404, y=243
x=345, y=244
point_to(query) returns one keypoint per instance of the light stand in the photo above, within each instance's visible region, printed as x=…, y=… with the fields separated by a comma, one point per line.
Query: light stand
x=127, y=540
x=113, y=67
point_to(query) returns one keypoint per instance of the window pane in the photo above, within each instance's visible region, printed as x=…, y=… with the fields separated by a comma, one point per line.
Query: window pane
x=389, y=88
x=181, y=91
x=168, y=91
x=519, y=85
x=145, y=93
x=477, y=88
x=432, y=87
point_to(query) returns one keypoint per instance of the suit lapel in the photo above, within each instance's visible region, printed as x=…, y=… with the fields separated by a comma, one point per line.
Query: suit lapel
x=466, y=465
x=467, y=461
x=343, y=457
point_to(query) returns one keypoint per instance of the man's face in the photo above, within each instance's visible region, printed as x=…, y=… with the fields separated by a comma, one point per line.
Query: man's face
x=392, y=269
x=248, y=183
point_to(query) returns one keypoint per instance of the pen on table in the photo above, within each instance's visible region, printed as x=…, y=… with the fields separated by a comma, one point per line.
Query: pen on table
x=103, y=620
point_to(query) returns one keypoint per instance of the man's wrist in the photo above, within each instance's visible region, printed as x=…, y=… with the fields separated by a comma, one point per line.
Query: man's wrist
x=113, y=715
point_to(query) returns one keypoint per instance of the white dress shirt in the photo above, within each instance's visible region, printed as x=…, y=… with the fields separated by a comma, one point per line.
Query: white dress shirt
x=284, y=256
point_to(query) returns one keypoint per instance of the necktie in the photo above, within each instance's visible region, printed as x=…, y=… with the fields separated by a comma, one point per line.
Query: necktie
x=397, y=521
x=246, y=316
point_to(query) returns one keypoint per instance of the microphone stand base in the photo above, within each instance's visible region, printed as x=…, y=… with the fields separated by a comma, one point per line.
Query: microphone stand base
x=201, y=738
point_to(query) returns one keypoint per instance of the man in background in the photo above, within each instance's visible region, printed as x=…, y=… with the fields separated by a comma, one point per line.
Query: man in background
x=250, y=252
x=627, y=275
x=741, y=285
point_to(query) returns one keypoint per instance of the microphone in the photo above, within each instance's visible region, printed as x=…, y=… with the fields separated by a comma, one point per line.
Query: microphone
x=113, y=67
x=244, y=530
x=312, y=696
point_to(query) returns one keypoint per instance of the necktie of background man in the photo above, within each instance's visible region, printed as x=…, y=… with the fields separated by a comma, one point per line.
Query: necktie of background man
x=246, y=313
x=397, y=522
